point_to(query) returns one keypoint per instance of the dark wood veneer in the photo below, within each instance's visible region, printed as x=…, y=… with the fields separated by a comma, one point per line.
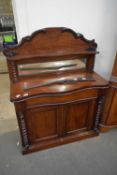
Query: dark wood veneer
x=109, y=118
x=60, y=113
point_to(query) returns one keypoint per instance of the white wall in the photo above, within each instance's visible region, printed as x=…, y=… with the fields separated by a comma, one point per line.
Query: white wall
x=96, y=19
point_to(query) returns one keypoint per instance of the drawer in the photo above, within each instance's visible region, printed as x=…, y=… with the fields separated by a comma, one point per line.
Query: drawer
x=84, y=94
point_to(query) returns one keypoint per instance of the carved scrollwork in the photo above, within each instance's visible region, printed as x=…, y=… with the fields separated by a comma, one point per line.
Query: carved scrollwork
x=79, y=35
x=23, y=129
x=10, y=53
x=13, y=68
x=99, y=111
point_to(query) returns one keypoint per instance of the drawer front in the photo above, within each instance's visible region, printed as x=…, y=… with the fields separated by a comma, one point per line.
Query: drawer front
x=62, y=99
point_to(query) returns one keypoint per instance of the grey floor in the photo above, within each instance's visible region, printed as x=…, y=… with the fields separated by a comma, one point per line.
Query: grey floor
x=95, y=156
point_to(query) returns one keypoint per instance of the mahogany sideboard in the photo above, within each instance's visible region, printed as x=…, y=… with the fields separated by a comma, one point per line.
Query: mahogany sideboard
x=109, y=116
x=58, y=97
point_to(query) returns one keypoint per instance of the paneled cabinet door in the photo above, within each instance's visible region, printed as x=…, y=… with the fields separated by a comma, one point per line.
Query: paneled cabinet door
x=112, y=115
x=49, y=123
x=43, y=124
x=80, y=117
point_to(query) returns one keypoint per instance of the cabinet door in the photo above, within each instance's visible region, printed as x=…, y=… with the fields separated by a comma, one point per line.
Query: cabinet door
x=80, y=117
x=42, y=123
x=112, y=116
x=45, y=124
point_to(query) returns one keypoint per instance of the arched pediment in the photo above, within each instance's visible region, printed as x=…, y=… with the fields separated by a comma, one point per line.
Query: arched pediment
x=52, y=42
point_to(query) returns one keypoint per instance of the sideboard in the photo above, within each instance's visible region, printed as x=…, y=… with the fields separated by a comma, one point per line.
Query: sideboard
x=57, y=95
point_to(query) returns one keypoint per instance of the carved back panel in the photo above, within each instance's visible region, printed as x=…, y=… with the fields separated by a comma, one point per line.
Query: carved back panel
x=47, y=44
